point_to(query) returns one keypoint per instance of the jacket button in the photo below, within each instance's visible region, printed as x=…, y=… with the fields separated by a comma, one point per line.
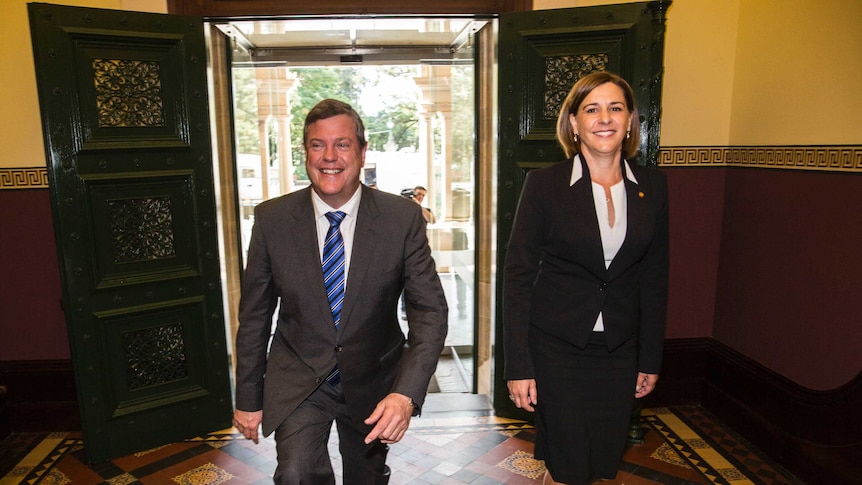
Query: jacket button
x=603, y=287
x=338, y=348
x=319, y=380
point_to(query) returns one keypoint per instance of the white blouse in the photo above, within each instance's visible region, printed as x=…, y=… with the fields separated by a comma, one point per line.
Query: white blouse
x=612, y=237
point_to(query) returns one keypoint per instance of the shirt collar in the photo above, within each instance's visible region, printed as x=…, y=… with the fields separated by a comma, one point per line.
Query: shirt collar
x=578, y=171
x=349, y=208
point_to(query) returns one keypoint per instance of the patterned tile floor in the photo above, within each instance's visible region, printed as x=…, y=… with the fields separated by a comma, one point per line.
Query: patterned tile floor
x=683, y=445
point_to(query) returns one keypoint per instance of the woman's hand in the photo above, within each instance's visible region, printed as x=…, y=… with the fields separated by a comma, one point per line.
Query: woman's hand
x=522, y=392
x=645, y=384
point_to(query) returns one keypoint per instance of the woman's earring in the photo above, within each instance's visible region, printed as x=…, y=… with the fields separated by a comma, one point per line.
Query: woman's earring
x=576, y=137
x=628, y=134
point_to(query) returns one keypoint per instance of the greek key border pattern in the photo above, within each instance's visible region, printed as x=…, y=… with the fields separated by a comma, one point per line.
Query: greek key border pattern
x=24, y=178
x=835, y=158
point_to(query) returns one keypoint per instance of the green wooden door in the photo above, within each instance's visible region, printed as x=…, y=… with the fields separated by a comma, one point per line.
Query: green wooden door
x=123, y=100
x=540, y=56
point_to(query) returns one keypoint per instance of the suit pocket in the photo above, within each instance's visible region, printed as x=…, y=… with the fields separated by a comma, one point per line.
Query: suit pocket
x=280, y=356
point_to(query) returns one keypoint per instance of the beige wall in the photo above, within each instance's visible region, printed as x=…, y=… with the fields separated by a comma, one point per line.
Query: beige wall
x=700, y=51
x=759, y=72
x=798, y=73
x=737, y=72
x=20, y=125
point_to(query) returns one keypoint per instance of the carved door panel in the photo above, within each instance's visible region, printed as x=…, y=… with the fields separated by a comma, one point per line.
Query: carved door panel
x=125, y=122
x=541, y=55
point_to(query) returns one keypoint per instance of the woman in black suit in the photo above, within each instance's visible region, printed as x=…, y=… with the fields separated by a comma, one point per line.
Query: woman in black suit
x=586, y=285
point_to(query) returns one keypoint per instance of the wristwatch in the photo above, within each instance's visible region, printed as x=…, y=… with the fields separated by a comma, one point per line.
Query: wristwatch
x=415, y=408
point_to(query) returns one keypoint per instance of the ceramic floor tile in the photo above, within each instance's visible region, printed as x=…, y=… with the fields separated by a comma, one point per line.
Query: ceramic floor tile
x=683, y=446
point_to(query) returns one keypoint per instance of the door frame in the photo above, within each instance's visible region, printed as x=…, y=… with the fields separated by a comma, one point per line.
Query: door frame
x=484, y=159
x=260, y=8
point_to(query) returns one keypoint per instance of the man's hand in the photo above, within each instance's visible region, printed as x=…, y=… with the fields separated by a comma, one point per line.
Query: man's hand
x=429, y=216
x=392, y=417
x=523, y=393
x=247, y=422
x=645, y=384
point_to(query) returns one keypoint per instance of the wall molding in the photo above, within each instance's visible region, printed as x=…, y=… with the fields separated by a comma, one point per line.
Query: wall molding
x=5, y=423
x=40, y=396
x=814, y=434
x=24, y=178
x=823, y=158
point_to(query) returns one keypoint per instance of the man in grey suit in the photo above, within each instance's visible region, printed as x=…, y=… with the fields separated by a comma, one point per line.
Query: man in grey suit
x=337, y=352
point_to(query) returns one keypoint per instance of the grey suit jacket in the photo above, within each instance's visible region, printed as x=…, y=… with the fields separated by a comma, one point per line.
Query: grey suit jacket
x=555, y=275
x=390, y=252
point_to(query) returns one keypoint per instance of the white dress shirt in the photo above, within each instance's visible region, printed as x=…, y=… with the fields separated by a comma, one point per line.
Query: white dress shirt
x=347, y=227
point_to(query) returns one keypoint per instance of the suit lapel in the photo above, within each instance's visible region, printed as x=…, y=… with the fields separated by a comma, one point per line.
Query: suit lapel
x=362, y=254
x=637, y=213
x=581, y=198
x=307, y=248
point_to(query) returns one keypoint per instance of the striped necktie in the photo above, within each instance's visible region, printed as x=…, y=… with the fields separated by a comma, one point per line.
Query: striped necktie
x=333, y=274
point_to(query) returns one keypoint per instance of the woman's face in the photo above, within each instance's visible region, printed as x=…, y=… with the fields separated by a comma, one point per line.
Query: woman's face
x=602, y=121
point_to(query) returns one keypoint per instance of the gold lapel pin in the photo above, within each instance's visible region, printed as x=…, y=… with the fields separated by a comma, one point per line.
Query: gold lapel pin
x=641, y=195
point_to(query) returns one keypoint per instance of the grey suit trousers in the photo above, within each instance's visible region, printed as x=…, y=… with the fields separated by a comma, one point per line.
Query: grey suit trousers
x=302, y=439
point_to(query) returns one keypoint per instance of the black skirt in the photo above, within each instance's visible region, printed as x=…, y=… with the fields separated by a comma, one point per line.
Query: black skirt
x=585, y=399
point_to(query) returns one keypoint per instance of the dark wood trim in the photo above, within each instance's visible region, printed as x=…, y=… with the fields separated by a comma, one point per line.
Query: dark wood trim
x=5, y=423
x=40, y=396
x=814, y=434
x=248, y=8
x=682, y=380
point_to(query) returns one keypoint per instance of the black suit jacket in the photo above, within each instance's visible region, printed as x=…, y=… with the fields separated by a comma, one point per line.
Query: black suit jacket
x=390, y=252
x=555, y=276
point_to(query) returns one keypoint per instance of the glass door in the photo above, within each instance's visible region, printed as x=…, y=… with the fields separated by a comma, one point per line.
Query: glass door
x=413, y=82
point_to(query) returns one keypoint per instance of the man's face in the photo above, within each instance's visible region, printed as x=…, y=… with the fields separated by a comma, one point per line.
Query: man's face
x=334, y=159
x=419, y=195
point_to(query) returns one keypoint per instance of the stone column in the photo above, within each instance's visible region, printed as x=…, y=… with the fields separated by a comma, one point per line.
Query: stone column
x=435, y=102
x=274, y=86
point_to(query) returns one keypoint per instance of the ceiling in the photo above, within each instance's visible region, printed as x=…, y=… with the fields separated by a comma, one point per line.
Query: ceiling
x=352, y=40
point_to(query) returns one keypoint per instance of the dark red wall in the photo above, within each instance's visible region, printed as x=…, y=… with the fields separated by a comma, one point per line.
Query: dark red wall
x=790, y=279
x=32, y=324
x=765, y=261
x=696, y=207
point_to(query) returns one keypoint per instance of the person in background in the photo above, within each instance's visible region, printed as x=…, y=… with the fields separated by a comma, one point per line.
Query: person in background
x=334, y=259
x=585, y=287
x=419, y=193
